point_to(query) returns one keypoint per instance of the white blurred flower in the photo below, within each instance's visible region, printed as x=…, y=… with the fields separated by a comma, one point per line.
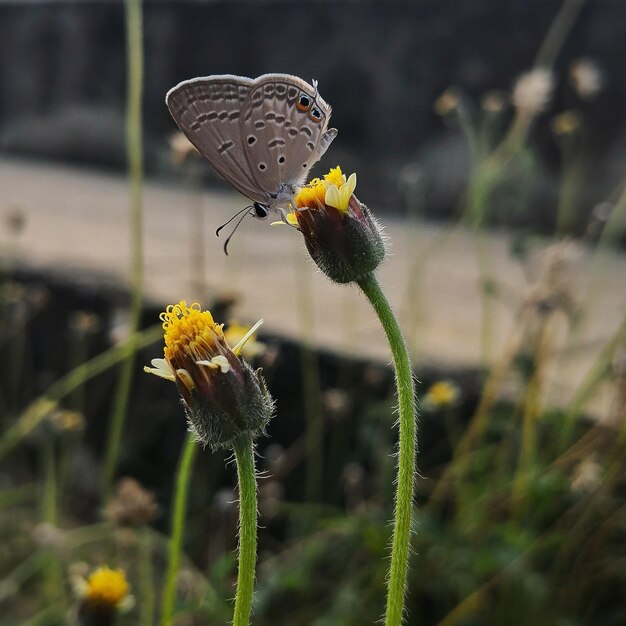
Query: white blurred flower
x=586, y=476
x=586, y=78
x=532, y=91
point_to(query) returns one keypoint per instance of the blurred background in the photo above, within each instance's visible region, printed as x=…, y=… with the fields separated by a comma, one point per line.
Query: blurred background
x=490, y=139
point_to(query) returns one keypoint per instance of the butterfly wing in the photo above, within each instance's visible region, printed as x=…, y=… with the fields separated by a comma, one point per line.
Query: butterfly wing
x=282, y=140
x=208, y=111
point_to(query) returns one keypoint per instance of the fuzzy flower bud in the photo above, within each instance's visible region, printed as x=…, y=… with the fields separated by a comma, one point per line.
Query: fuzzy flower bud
x=223, y=396
x=341, y=235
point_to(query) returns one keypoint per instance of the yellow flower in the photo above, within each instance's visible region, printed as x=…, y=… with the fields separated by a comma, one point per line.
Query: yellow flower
x=447, y=102
x=341, y=235
x=333, y=190
x=441, y=395
x=311, y=195
x=223, y=396
x=192, y=335
x=107, y=588
x=566, y=123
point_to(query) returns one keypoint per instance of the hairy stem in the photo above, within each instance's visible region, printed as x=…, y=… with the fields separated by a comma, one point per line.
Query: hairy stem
x=244, y=454
x=407, y=419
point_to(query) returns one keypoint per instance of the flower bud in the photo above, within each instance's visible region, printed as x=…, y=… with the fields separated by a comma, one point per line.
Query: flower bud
x=341, y=235
x=223, y=396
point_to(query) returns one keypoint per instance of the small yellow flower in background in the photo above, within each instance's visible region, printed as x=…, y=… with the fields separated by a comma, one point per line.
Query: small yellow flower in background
x=68, y=421
x=566, y=123
x=223, y=396
x=107, y=587
x=443, y=394
x=340, y=233
x=103, y=594
x=447, y=102
x=493, y=101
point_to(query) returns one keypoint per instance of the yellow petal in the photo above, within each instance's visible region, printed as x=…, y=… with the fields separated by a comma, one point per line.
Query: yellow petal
x=352, y=182
x=332, y=197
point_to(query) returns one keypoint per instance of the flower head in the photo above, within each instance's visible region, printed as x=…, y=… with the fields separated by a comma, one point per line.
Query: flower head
x=532, y=91
x=103, y=593
x=448, y=102
x=493, y=102
x=340, y=234
x=223, y=396
x=567, y=123
x=107, y=586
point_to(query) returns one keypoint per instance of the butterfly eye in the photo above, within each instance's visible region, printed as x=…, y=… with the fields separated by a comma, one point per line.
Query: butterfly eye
x=260, y=210
x=304, y=102
x=315, y=114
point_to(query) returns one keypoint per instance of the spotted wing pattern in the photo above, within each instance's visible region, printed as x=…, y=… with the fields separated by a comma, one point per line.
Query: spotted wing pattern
x=263, y=135
x=208, y=111
x=282, y=140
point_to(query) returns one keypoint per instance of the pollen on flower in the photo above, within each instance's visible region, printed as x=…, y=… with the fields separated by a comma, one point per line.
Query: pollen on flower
x=107, y=587
x=190, y=330
x=311, y=195
x=335, y=177
x=333, y=190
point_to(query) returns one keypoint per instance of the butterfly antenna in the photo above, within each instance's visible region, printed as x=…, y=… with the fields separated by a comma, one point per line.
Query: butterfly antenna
x=241, y=219
x=248, y=208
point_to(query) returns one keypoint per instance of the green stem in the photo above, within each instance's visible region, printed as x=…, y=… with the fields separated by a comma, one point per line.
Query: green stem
x=312, y=401
x=146, y=587
x=406, y=451
x=244, y=454
x=134, y=87
x=49, y=505
x=177, y=527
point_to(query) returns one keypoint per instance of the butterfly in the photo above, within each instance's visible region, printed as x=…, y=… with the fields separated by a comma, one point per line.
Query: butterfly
x=262, y=135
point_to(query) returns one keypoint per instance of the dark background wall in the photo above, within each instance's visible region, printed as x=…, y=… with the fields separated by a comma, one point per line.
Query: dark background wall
x=380, y=64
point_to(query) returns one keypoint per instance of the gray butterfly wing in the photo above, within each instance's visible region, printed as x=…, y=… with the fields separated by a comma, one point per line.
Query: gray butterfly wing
x=281, y=140
x=208, y=111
